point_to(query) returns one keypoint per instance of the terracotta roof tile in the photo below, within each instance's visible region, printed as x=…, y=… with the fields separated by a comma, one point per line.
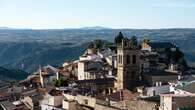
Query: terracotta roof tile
x=120, y=95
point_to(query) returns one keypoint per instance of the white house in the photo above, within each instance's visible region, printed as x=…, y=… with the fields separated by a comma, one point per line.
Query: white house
x=49, y=107
x=52, y=99
x=152, y=91
x=86, y=67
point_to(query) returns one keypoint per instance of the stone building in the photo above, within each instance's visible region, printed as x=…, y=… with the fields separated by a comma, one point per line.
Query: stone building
x=128, y=64
x=95, y=86
x=160, y=47
x=53, y=99
x=177, y=102
x=88, y=69
x=159, y=77
x=124, y=100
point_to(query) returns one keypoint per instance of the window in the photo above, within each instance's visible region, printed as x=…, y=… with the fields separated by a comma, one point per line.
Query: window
x=85, y=101
x=107, y=91
x=127, y=75
x=134, y=59
x=128, y=59
x=120, y=59
x=154, y=92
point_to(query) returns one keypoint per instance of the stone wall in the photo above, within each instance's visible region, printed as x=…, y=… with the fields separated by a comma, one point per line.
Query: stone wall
x=105, y=107
x=137, y=105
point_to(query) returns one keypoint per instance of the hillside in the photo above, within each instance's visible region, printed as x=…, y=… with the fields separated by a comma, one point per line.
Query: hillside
x=29, y=56
x=12, y=74
x=27, y=49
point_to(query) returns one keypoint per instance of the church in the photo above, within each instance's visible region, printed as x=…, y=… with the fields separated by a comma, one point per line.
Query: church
x=131, y=64
x=128, y=64
x=139, y=66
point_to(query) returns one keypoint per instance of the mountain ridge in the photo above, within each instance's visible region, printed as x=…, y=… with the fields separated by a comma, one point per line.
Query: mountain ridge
x=94, y=28
x=42, y=47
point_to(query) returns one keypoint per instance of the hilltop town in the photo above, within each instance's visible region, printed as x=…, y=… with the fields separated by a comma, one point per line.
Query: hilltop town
x=125, y=75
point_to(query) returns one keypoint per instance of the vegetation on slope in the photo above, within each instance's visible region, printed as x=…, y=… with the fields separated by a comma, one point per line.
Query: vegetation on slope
x=12, y=74
x=27, y=49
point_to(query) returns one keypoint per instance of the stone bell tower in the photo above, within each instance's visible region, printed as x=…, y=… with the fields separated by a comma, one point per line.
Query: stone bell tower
x=127, y=64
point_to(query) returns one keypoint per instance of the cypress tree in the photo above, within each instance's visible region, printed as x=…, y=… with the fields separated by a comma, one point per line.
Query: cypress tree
x=133, y=42
x=118, y=39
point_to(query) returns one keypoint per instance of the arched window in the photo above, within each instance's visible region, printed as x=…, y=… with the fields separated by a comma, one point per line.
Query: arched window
x=127, y=75
x=121, y=60
x=134, y=59
x=128, y=59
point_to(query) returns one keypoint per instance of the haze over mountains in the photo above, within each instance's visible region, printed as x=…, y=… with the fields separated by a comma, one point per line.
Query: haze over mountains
x=27, y=49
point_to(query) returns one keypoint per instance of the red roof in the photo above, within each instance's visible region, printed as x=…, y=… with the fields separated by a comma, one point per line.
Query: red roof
x=120, y=95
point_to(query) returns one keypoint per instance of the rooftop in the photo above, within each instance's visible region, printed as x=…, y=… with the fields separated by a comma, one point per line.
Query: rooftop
x=154, y=72
x=188, y=79
x=178, y=95
x=54, y=92
x=120, y=95
x=189, y=88
x=97, y=81
x=8, y=105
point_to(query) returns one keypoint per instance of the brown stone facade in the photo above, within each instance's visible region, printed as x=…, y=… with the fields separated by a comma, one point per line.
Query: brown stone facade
x=128, y=66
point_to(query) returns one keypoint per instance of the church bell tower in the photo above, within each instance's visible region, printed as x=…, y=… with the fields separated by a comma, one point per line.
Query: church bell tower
x=127, y=64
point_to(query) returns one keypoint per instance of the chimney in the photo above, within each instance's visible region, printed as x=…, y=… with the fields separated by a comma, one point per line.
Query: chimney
x=57, y=76
x=41, y=77
x=121, y=95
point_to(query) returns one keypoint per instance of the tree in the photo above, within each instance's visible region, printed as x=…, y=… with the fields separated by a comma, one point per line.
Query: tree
x=184, y=63
x=177, y=55
x=98, y=44
x=118, y=39
x=91, y=45
x=133, y=42
x=146, y=40
x=61, y=82
x=57, y=83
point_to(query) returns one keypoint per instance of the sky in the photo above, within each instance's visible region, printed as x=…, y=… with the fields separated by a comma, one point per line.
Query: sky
x=58, y=14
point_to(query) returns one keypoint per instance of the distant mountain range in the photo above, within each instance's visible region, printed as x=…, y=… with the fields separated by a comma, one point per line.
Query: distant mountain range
x=82, y=28
x=27, y=49
x=94, y=28
x=5, y=28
